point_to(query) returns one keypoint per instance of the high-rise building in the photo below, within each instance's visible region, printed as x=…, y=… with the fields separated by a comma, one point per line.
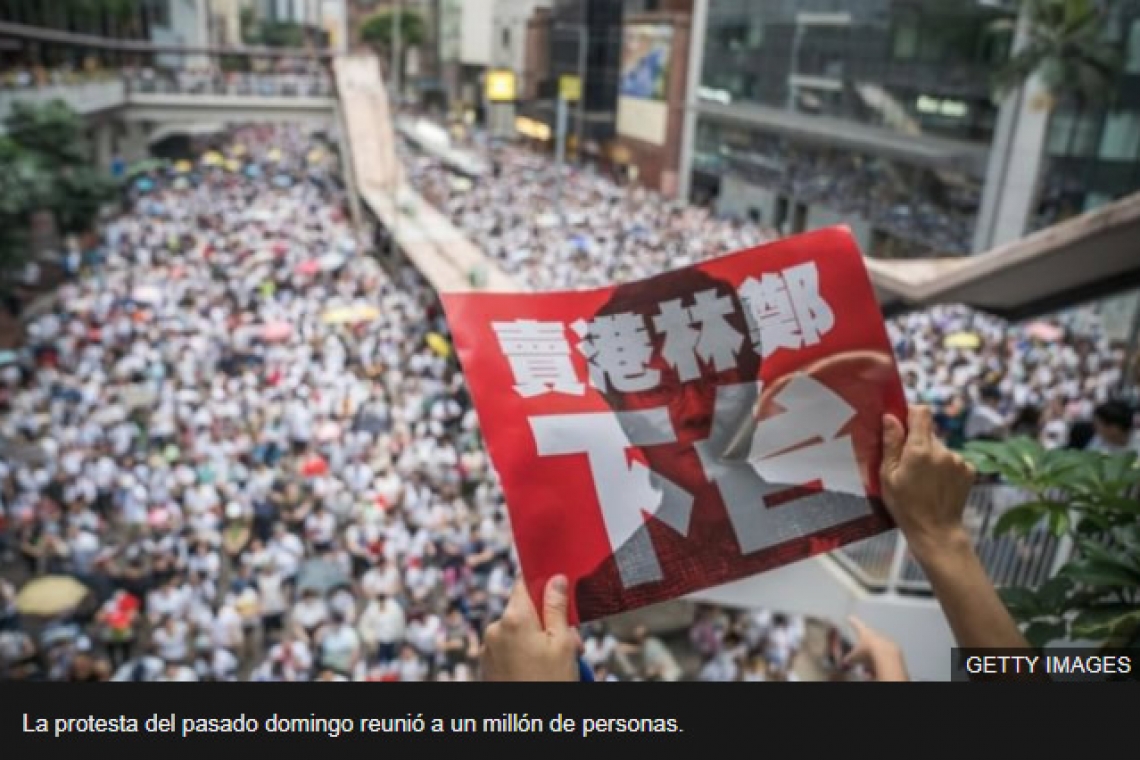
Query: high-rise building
x=1092, y=149
x=585, y=42
x=881, y=114
x=875, y=113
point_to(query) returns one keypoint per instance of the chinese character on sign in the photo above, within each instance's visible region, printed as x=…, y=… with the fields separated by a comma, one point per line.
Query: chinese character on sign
x=699, y=331
x=799, y=447
x=786, y=310
x=539, y=355
x=627, y=490
x=619, y=350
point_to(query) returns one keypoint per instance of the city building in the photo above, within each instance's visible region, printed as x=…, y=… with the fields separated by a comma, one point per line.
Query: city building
x=1092, y=150
x=325, y=22
x=652, y=92
x=585, y=43
x=874, y=113
x=880, y=114
x=225, y=21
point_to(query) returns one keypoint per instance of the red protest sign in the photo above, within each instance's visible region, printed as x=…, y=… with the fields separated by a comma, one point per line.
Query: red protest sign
x=660, y=437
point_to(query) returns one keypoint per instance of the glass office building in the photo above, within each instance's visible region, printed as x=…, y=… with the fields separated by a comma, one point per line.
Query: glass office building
x=880, y=113
x=1094, y=147
x=874, y=112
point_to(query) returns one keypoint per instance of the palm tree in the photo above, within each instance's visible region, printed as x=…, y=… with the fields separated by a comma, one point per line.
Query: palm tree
x=1060, y=56
x=1064, y=48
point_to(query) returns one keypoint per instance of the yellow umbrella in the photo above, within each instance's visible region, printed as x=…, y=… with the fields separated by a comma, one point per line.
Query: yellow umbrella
x=439, y=344
x=213, y=158
x=182, y=167
x=50, y=595
x=315, y=155
x=233, y=165
x=237, y=150
x=274, y=155
x=350, y=315
x=965, y=340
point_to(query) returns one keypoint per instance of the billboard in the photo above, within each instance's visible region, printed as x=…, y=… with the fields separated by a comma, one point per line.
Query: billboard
x=643, y=88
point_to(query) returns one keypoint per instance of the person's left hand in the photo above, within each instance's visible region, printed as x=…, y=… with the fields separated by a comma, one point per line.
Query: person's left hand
x=517, y=648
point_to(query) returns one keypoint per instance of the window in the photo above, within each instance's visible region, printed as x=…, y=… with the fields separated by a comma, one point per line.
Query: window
x=904, y=42
x=1073, y=135
x=1094, y=201
x=159, y=11
x=1132, y=51
x=1121, y=138
x=507, y=37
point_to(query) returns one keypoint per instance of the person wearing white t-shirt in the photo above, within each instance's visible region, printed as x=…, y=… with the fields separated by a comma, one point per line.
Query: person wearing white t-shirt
x=172, y=640
x=320, y=528
x=383, y=579
x=167, y=601
x=383, y=626
x=409, y=666
x=310, y=613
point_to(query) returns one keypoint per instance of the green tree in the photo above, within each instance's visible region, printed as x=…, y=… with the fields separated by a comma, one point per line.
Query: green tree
x=1064, y=47
x=1093, y=501
x=45, y=166
x=377, y=29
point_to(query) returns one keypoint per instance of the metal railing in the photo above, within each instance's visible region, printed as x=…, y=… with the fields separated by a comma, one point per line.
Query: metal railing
x=884, y=562
x=92, y=94
x=263, y=85
x=84, y=96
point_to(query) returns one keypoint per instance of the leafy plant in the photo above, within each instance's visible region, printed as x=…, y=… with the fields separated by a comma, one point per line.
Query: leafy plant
x=44, y=166
x=377, y=29
x=1093, y=499
x=1065, y=48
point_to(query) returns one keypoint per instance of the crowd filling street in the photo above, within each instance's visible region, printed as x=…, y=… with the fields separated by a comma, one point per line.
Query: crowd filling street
x=246, y=451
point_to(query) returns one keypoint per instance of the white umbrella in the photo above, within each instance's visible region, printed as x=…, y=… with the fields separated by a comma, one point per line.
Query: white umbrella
x=331, y=261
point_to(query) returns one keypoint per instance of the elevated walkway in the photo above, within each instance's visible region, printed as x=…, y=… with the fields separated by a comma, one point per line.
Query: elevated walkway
x=116, y=97
x=1087, y=257
x=442, y=254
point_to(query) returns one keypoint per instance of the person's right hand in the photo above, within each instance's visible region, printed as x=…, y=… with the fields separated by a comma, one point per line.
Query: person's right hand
x=925, y=485
x=877, y=653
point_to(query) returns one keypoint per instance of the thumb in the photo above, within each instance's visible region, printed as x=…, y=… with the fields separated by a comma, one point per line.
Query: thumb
x=894, y=438
x=556, y=605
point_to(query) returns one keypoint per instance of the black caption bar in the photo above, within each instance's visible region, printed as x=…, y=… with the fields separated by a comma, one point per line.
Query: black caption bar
x=1065, y=665
x=40, y=720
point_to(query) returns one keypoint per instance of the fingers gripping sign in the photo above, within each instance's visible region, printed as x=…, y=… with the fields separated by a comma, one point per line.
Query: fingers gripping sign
x=523, y=647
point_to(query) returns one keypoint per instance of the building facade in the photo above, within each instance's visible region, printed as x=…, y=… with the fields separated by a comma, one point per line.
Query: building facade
x=652, y=92
x=875, y=113
x=1093, y=148
x=880, y=114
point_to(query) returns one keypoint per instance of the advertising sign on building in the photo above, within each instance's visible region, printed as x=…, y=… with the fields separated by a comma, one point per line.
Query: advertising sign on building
x=643, y=111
